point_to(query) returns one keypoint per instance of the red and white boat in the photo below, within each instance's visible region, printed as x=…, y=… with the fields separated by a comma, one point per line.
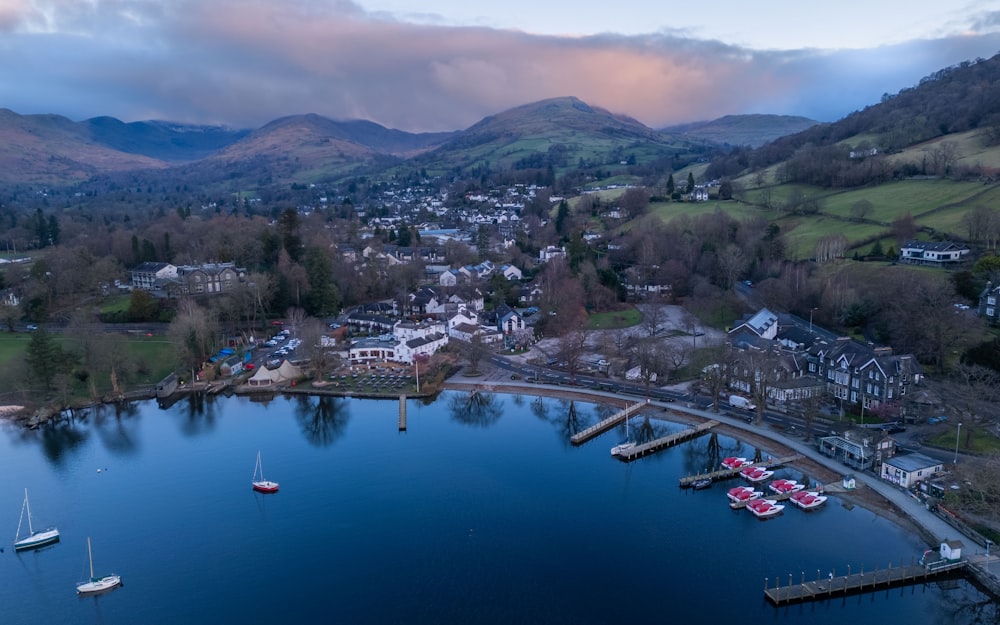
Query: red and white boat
x=808, y=499
x=735, y=463
x=262, y=485
x=764, y=508
x=741, y=494
x=783, y=487
x=756, y=474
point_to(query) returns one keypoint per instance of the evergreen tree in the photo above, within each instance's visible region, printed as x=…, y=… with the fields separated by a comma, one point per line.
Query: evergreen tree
x=670, y=185
x=45, y=359
x=690, y=188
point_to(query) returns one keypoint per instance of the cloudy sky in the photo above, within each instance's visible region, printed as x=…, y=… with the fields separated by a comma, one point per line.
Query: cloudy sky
x=445, y=64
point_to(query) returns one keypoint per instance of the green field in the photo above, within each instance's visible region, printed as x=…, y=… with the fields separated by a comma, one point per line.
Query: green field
x=614, y=319
x=150, y=359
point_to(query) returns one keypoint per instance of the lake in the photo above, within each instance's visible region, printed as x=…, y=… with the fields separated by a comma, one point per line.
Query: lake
x=480, y=512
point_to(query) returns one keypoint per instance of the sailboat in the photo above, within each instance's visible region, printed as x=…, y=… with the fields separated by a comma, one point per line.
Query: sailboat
x=622, y=448
x=97, y=584
x=262, y=485
x=34, y=539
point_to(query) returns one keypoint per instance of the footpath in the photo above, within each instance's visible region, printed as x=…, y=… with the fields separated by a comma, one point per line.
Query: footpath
x=935, y=529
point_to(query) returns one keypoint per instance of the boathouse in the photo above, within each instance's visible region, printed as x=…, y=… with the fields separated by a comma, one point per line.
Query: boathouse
x=908, y=469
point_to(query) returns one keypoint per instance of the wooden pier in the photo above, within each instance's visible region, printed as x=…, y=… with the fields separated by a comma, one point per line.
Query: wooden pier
x=667, y=441
x=600, y=428
x=721, y=474
x=402, y=413
x=797, y=591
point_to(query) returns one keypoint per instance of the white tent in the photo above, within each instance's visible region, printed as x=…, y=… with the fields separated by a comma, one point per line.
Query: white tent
x=266, y=377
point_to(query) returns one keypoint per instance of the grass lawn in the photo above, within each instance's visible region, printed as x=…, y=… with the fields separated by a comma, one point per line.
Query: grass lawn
x=152, y=359
x=979, y=442
x=614, y=319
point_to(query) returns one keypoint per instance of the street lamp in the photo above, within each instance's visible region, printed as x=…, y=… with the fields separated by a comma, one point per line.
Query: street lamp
x=957, y=435
x=811, y=311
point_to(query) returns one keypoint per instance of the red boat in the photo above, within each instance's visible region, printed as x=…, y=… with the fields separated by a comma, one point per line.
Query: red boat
x=807, y=500
x=783, y=487
x=756, y=474
x=262, y=485
x=764, y=508
x=743, y=493
x=734, y=463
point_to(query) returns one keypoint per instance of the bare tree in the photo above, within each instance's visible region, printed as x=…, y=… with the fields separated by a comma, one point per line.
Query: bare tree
x=650, y=360
x=571, y=350
x=861, y=209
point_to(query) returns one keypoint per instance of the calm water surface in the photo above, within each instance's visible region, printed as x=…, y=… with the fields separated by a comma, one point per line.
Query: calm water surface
x=481, y=512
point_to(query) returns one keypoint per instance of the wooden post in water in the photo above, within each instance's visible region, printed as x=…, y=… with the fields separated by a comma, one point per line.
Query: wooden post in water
x=402, y=413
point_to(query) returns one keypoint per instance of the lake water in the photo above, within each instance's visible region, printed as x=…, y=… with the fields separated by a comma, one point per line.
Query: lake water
x=481, y=512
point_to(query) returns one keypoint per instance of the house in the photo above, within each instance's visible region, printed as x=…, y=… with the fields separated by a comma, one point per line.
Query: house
x=511, y=272
x=988, y=300
x=763, y=324
x=908, y=469
x=366, y=351
x=151, y=276
x=937, y=253
x=449, y=278
x=207, y=279
x=550, y=252
x=508, y=321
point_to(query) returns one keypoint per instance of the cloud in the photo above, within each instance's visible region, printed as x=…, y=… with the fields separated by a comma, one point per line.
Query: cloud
x=246, y=62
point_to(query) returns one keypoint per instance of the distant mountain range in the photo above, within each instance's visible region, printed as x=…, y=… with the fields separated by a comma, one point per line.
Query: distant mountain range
x=560, y=132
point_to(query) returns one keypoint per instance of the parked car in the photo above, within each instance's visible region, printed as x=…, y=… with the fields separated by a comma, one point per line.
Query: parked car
x=32, y=327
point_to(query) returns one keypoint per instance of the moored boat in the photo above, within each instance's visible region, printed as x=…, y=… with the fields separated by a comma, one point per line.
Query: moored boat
x=734, y=463
x=97, y=584
x=756, y=474
x=807, y=500
x=701, y=484
x=741, y=494
x=764, y=508
x=33, y=540
x=783, y=487
x=262, y=485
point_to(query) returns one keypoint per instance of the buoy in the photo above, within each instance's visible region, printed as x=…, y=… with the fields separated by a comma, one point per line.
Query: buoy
x=98, y=470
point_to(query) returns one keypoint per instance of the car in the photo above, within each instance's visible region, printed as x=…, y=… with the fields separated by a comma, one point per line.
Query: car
x=249, y=366
x=32, y=327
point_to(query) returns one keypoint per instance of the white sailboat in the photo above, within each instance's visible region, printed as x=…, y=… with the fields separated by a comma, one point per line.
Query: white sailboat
x=262, y=485
x=97, y=584
x=623, y=447
x=34, y=539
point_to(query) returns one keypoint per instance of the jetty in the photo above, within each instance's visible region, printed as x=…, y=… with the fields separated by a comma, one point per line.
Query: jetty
x=597, y=429
x=722, y=474
x=654, y=446
x=797, y=591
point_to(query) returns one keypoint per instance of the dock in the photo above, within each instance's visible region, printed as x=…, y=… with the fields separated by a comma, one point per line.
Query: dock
x=722, y=474
x=654, y=446
x=853, y=583
x=600, y=428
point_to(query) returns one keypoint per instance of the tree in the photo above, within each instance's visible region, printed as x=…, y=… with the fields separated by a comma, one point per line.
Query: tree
x=670, y=185
x=45, y=359
x=142, y=306
x=861, y=209
x=193, y=333
x=690, y=181
x=634, y=202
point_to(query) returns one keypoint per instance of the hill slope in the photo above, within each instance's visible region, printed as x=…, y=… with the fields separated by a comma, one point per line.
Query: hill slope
x=559, y=132
x=752, y=130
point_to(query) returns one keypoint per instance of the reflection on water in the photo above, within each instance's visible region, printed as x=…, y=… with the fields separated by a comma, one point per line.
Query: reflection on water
x=475, y=408
x=198, y=413
x=323, y=420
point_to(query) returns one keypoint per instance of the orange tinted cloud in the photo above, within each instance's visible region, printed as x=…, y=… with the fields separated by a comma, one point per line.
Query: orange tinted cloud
x=246, y=62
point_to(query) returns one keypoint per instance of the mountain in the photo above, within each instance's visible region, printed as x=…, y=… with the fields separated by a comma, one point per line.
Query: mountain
x=313, y=148
x=164, y=141
x=50, y=149
x=751, y=130
x=558, y=132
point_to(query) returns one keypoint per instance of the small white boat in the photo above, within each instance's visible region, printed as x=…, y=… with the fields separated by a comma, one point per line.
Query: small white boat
x=262, y=485
x=807, y=500
x=783, y=487
x=733, y=462
x=741, y=494
x=97, y=584
x=756, y=474
x=764, y=508
x=33, y=540
x=622, y=448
